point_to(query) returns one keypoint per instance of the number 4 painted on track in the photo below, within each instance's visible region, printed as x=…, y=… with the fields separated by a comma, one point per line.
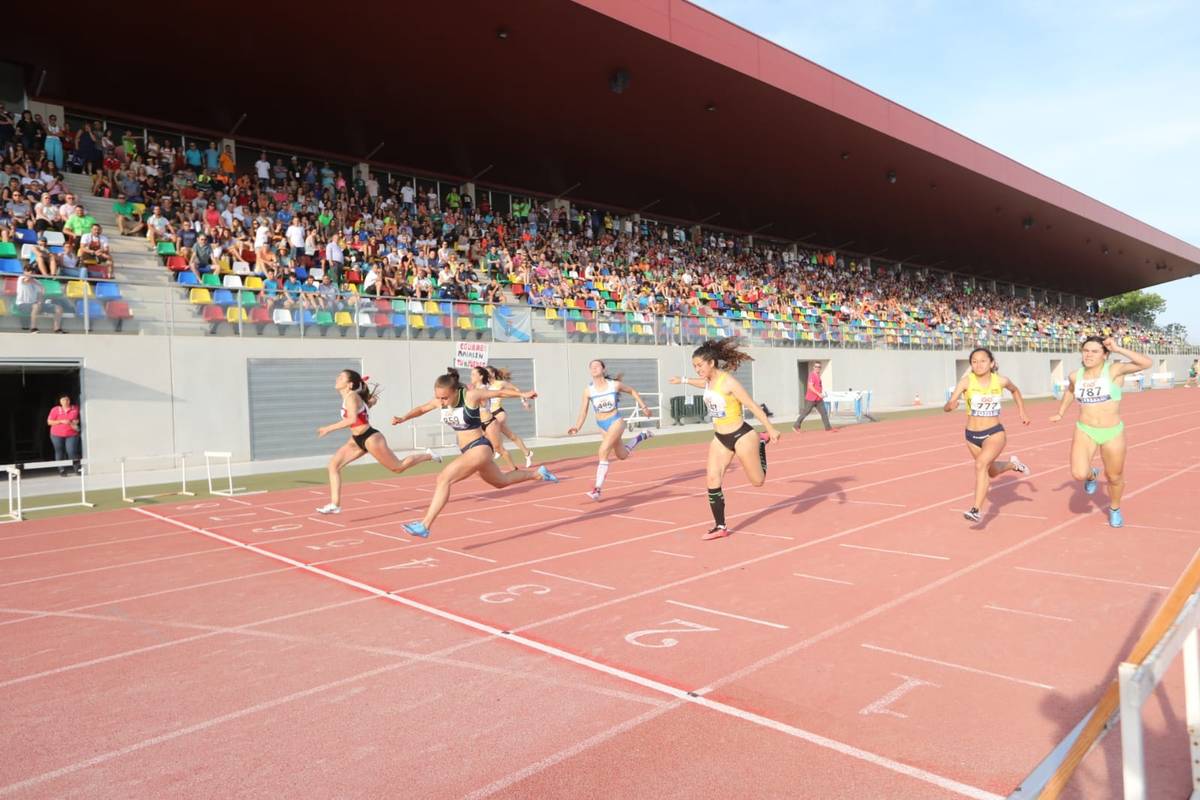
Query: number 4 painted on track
x=667, y=641
x=415, y=563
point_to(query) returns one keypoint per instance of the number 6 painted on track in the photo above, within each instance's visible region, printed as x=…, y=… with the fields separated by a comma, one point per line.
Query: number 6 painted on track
x=666, y=641
x=513, y=592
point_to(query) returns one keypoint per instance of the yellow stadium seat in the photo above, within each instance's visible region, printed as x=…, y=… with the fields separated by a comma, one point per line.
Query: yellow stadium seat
x=199, y=297
x=551, y=313
x=464, y=323
x=431, y=307
x=343, y=319
x=77, y=289
x=231, y=314
x=252, y=282
x=416, y=321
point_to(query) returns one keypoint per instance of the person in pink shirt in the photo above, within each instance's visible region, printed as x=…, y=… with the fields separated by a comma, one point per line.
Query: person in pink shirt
x=814, y=397
x=63, y=421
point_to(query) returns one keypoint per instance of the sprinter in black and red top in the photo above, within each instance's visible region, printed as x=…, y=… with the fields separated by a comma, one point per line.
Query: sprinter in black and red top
x=357, y=399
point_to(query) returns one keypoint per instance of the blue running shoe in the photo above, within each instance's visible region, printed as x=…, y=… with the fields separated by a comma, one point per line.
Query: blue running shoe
x=1089, y=485
x=1114, y=517
x=546, y=474
x=417, y=529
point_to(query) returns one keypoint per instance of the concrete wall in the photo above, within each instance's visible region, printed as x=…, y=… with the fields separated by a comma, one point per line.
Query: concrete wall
x=152, y=395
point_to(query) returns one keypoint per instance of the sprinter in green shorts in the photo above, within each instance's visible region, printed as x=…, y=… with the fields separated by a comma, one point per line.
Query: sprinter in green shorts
x=1097, y=387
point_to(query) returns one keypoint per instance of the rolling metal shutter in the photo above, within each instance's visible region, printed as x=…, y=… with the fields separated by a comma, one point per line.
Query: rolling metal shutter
x=521, y=422
x=289, y=399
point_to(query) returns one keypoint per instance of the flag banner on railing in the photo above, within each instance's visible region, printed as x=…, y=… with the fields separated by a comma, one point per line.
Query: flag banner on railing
x=512, y=324
x=471, y=355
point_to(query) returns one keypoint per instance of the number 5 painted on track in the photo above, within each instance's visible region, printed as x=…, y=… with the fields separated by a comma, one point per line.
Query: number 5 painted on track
x=513, y=592
x=666, y=641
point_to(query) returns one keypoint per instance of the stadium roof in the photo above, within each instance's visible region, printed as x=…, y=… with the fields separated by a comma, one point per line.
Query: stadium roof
x=713, y=124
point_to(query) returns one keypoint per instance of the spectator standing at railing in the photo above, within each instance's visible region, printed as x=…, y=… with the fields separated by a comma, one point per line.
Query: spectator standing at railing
x=63, y=421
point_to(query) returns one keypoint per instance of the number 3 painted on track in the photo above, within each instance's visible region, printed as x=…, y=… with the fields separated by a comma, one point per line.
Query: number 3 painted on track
x=666, y=641
x=513, y=592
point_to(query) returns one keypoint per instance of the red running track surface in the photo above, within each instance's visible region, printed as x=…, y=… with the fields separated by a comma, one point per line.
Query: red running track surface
x=855, y=637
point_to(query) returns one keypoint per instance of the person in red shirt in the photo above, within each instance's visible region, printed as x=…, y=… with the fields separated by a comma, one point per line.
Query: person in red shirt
x=63, y=421
x=814, y=397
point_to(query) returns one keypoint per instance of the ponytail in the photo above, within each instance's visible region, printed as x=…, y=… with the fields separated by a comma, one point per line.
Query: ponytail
x=724, y=353
x=449, y=380
x=500, y=373
x=368, y=393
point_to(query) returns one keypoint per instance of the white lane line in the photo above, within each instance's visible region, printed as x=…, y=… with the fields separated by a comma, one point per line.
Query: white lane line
x=467, y=555
x=388, y=536
x=679, y=694
x=741, y=532
x=819, y=578
x=92, y=544
x=667, y=553
x=563, y=535
x=874, y=503
x=1010, y=514
x=560, y=508
x=386, y=485
x=643, y=519
x=1157, y=528
x=326, y=522
x=731, y=616
x=894, y=552
x=962, y=667
x=117, y=566
x=278, y=511
x=360, y=500
x=480, y=521
x=573, y=580
x=318, y=492
x=244, y=503
x=1028, y=613
x=1092, y=578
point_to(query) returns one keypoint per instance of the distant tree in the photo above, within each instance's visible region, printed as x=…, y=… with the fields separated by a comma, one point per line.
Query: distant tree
x=1177, y=330
x=1140, y=306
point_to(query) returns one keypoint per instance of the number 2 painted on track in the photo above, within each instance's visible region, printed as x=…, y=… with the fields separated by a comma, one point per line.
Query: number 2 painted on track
x=667, y=641
x=513, y=592
x=283, y=526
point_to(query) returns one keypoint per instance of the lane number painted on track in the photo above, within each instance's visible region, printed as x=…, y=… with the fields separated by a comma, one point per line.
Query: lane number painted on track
x=196, y=506
x=227, y=517
x=333, y=544
x=416, y=563
x=280, y=528
x=680, y=626
x=513, y=592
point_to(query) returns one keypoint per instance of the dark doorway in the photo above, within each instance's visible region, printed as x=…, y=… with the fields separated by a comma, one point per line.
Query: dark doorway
x=27, y=393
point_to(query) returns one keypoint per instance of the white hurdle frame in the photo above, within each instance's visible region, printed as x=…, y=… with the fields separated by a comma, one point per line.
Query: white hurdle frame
x=655, y=410
x=1137, y=684
x=232, y=491
x=183, y=490
x=18, y=513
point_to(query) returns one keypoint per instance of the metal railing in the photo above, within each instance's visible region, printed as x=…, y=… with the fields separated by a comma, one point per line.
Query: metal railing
x=239, y=306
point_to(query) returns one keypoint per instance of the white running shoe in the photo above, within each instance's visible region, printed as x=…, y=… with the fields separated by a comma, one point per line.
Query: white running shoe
x=329, y=508
x=594, y=494
x=1018, y=465
x=529, y=459
x=496, y=456
x=435, y=456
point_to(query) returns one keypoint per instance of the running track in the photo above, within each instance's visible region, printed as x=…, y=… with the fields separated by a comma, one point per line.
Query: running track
x=854, y=638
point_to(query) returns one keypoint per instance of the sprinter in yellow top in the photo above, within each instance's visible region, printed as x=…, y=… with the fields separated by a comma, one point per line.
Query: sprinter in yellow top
x=983, y=388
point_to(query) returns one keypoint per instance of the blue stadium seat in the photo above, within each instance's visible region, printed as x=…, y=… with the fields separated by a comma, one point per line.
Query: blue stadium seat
x=10, y=266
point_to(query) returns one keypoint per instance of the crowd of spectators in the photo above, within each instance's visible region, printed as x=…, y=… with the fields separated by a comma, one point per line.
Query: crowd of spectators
x=320, y=237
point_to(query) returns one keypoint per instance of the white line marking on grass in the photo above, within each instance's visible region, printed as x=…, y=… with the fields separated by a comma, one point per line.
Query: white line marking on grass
x=894, y=552
x=1092, y=578
x=1028, y=613
x=467, y=555
x=731, y=616
x=667, y=553
x=573, y=580
x=962, y=667
x=819, y=578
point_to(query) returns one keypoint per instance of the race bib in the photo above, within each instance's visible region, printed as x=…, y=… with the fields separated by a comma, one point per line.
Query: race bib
x=604, y=404
x=454, y=417
x=1091, y=391
x=716, y=407
x=985, y=405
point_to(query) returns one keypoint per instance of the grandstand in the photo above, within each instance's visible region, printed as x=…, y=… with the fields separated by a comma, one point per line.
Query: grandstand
x=243, y=259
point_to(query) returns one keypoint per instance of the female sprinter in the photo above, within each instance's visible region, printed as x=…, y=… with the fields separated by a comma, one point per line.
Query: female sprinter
x=725, y=398
x=460, y=407
x=1097, y=387
x=604, y=396
x=357, y=400
x=984, y=388
x=495, y=418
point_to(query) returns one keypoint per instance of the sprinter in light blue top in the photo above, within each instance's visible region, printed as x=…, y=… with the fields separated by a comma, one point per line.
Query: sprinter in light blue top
x=603, y=394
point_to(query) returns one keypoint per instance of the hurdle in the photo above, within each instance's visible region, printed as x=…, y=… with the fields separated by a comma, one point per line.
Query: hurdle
x=637, y=419
x=16, y=507
x=232, y=491
x=1162, y=380
x=182, y=491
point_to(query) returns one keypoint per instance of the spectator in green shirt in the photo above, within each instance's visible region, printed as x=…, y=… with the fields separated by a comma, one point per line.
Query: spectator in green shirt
x=129, y=222
x=78, y=224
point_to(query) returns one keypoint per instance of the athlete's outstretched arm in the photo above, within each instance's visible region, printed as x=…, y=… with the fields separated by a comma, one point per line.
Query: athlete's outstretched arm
x=416, y=412
x=347, y=422
x=1068, y=397
x=637, y=398
x=693, y=382
x=952, y=403
x=738, y=391
x=574, y=429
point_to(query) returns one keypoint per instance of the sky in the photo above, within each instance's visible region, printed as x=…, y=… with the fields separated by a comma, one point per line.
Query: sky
x=1101, y=95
